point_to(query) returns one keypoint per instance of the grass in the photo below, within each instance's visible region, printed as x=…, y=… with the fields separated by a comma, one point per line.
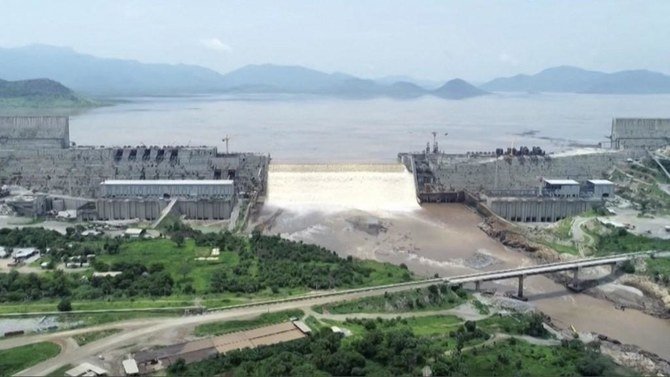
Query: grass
x=481, y=307
x=385, y=273
x=658, y=267
x=398, y=302
x=179, y=261
x=514, y=357
x=563, y=249
x=564, y=229
x=89, y=337
x=218, y=328
x=434, y=325
x=16, y=359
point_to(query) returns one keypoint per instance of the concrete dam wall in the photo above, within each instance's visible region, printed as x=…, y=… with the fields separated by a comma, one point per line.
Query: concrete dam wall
x=516, y=172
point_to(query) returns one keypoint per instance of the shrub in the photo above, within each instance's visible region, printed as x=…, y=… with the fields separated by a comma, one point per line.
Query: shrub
x=64, y=305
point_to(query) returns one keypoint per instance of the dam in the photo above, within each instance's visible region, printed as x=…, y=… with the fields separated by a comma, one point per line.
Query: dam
x=36, y=153
x=338, y=187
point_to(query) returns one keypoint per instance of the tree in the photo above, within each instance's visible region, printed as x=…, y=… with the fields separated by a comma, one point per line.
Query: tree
x=64, y=305
x=178, y=239
x=535, y=326
x=185, y=269
x=591, y=365
x=178, y=368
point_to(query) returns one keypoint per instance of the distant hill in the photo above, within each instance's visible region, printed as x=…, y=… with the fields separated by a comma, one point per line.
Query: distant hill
x=576, y=80
x=458, y=89
x=39, y=93
x=115, y=77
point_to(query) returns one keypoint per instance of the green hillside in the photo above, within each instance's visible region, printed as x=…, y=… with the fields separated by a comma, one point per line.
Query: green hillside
x=40, y=93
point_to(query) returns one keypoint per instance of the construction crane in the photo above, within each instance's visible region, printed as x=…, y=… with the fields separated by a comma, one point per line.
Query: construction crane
x=226, y=139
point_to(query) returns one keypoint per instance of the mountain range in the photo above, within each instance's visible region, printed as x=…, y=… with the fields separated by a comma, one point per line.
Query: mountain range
x=101, y=77
x=569, y=79
x=116, y=77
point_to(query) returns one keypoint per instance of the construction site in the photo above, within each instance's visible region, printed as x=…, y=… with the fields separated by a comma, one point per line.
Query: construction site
x=528, y=184
x=118, y=183
x=201, y=183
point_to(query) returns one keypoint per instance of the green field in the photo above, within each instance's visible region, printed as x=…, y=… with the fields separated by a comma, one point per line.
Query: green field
x=218, y=328
x=179, y=261
x=14, y=360
x=166, y=274
x=89, y=337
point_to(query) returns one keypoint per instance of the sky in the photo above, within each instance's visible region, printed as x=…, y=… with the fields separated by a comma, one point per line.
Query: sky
x=425, y=39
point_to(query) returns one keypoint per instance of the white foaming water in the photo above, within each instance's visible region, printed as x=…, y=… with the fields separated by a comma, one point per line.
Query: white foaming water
x=342, y=187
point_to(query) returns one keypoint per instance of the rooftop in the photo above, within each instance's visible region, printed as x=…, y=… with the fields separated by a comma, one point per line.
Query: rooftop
x=600, y=182
x=130, y=366
x=562, y=182
x=162, y=182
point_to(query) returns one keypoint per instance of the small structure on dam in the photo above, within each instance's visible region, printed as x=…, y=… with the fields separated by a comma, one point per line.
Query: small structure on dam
x=555, y=200
x=640, y=133
x=36, y=154
x=511, y=177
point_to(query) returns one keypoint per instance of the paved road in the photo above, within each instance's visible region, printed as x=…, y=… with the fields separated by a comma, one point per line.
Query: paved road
x=136, y=330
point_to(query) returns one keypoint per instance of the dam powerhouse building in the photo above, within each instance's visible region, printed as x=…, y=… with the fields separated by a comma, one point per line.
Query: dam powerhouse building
x=529, y=185
x=114, y=183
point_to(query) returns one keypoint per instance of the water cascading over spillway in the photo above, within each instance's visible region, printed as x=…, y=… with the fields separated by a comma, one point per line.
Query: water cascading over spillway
x=366, y=187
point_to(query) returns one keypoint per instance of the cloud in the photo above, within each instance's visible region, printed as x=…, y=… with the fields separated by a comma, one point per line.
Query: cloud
x=215, y=44
x=508, y=58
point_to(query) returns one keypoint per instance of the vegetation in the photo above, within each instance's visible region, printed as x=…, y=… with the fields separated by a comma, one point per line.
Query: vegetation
x=434, y=297
x=258, y=265
x=65, y=305
x=513, y=357
x=218, y=328
x=16, y=359
x=39, y=93
x=93, y=336
x=401, y=347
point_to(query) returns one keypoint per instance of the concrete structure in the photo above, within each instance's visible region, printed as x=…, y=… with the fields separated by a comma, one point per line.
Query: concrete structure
x=521, y=273
x=566, y=188
x=600, y=188
x=86, y=369
x=556, y=200
x=203, y=348
x=165, y=189
x=35, y=153
x=130, y=367
x=39, y=132
x=134, y=232
x=640, y=133
x=538, y=209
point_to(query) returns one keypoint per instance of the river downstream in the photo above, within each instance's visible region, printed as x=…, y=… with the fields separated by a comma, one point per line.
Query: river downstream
x=374, y=215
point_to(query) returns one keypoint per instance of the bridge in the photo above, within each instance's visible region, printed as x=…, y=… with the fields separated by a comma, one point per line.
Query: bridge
x=575, y=266
x=477, y=278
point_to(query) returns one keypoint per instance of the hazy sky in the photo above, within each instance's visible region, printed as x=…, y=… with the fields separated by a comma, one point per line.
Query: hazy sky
x=475, y=40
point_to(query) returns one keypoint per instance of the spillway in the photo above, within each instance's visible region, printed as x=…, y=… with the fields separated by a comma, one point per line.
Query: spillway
x=338, y=187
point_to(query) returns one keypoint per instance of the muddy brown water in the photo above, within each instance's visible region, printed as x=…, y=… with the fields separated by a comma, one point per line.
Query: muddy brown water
x=375, y=216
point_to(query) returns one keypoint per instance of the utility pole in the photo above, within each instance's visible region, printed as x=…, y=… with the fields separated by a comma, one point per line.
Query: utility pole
x=226, y=139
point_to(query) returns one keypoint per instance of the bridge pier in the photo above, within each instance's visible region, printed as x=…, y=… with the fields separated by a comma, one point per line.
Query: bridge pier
x=519, y=292
x=478, y=284
x=575, y=284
